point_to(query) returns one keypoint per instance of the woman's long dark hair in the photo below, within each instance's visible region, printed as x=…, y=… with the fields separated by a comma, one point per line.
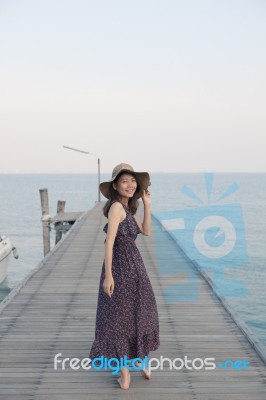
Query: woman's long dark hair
x=113, y=196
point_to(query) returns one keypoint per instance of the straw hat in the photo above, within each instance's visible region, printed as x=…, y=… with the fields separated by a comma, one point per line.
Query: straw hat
x=143, y=179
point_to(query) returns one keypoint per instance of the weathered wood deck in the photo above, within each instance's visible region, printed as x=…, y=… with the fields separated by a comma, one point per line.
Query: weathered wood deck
x=54, y=312
x=66, y=216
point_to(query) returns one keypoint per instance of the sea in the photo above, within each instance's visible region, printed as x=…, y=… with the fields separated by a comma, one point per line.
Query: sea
x=191, y=195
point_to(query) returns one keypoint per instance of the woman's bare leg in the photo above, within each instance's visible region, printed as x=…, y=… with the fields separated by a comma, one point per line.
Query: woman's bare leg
x=124, y=380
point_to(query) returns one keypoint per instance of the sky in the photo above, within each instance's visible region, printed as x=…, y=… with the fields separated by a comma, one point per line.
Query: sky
x=164, y=85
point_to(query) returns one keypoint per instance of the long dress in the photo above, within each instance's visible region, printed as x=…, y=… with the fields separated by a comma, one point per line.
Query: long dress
x=127, y=324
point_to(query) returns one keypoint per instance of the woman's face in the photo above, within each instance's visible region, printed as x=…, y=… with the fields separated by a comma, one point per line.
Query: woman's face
x=126, y=185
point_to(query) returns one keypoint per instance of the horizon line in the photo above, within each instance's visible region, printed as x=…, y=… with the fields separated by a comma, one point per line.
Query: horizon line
x=151, y=172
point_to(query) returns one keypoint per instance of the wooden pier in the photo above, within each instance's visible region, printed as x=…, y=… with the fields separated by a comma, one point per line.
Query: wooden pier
x=53, y=311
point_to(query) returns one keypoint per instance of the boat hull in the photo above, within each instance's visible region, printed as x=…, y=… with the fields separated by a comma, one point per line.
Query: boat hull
x=5, y=252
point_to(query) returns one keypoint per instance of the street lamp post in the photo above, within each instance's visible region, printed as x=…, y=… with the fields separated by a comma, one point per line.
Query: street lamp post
x=99, y=166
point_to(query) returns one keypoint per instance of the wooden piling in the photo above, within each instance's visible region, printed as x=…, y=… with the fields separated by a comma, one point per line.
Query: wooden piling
x=59, y=225
x=45, y=220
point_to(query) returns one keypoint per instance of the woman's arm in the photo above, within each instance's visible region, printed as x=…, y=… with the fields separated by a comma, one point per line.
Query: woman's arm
x=145, y=226
x=115, y=216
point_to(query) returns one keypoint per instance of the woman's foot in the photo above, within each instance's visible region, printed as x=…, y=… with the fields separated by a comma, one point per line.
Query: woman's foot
x=124, y=380
x=144, y=372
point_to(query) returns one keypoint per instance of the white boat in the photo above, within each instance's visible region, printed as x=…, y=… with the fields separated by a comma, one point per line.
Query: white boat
x=6, y=247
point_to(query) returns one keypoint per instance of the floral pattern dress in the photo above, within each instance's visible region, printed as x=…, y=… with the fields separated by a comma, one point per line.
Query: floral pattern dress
x=127, y=324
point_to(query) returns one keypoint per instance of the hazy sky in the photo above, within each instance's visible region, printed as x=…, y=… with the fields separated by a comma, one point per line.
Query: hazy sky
x=165, y=85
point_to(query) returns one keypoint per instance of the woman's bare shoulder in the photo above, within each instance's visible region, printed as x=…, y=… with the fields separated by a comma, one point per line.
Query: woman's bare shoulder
x=116, y=205
x=117, y=209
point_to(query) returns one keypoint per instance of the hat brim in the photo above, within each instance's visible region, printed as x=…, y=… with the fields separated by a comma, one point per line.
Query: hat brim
x=143, y=179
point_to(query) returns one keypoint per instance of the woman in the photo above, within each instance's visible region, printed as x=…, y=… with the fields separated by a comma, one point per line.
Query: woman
x=127, y=322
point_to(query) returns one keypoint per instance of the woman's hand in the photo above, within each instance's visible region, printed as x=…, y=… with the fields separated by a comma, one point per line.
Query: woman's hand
x=146, y=198
x=108, y=285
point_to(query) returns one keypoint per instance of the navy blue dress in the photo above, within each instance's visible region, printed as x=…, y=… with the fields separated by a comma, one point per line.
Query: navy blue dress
x=127, y=324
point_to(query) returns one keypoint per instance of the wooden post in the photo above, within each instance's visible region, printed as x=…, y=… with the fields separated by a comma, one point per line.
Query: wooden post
x=58, y=225
x=45, y=220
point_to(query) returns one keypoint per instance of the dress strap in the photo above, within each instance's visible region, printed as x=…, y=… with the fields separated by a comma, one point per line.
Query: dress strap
x=125, y=207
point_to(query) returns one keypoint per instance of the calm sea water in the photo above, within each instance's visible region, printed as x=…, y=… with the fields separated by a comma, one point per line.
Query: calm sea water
x=20, y=214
